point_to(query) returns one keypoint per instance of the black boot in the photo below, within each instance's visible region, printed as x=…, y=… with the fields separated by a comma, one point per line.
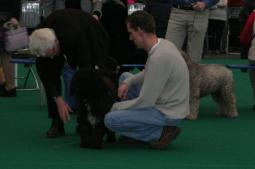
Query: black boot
x=7, y=93
x=56, y=129
x=2, y=87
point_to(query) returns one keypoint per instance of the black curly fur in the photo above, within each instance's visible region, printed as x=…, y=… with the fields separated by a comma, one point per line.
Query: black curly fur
x=96, y=92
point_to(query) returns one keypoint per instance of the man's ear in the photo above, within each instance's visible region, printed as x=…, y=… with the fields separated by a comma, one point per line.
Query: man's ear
x=56, y=42
x=139, y=29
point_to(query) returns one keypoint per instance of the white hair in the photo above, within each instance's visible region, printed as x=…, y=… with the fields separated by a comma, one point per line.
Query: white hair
x=41, y=40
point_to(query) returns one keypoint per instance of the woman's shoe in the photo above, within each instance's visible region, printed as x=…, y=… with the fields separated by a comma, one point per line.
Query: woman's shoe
x=217, y=52
x=56, y=129
x=7, y=93
x=2, y=87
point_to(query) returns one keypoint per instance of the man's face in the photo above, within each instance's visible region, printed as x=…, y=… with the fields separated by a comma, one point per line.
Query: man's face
x=136, y=36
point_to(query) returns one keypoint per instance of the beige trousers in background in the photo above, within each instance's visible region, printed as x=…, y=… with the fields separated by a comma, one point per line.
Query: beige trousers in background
x=191, y=24
x=7, y=75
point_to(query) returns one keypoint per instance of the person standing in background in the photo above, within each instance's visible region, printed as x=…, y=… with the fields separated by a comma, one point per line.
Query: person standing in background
x=9, y=12
x=114, y=14
x=247, y=39
x=93, y=7
x=247, y=8
x=217, y=23
x=189, y=18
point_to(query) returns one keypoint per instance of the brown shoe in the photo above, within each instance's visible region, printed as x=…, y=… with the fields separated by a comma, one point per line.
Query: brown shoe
x=56, y=129
x=169, y=133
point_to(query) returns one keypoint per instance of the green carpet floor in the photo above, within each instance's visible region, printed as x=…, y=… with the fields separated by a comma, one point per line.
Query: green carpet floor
x=210, y=142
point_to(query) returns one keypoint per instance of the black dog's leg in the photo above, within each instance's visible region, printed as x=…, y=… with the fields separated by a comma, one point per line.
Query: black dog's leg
x=110, y=136
x=84, y=129
x=86, y=132
x=96, y=138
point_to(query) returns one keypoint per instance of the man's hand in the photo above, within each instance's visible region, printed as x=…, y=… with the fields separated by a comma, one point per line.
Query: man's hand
x=122, y=91
x=200, y=6
x=63, y=109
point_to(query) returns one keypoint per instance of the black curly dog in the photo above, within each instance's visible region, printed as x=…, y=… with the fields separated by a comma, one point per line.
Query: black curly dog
x=95, y=91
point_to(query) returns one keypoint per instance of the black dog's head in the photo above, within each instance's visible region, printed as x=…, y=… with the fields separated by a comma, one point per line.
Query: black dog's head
x=86, y=84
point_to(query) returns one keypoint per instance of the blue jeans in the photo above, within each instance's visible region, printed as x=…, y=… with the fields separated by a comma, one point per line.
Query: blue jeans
x=140, y=124
x=68, y=74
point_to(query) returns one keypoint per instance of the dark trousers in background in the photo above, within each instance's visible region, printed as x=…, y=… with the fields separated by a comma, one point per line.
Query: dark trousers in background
x=215, y=32
x=160, y=10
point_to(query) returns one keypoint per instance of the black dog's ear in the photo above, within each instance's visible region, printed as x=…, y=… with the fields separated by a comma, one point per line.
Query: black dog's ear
x=86, y=83
x=112, y=65
x=79, y=82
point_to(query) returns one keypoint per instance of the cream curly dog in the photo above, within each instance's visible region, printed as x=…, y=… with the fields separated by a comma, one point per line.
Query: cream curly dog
x=213, y=79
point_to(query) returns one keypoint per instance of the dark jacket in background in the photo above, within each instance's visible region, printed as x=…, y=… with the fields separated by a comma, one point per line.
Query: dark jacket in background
x=160, y=10
x=11, y=8
x=114, y=20
x=76, y=4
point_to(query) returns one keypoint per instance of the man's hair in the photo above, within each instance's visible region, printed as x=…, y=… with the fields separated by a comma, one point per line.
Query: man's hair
x=41, y=40
x=143, y=20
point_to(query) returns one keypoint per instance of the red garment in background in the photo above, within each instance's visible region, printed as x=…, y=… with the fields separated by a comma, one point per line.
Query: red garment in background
x=247, y=32
x=131, y=1
x=235, y=3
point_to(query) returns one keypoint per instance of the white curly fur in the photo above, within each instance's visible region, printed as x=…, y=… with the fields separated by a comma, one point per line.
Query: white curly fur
x=211, y=79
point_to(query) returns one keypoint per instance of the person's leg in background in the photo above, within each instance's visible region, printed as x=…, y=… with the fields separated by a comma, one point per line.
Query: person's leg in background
x=2, y=49
x=244, y=51
x=68, y=73
x=196, y=34
x=219, y=28
x=176, y=29
x=252, y=79
x=211, y=36
x=9, y=88
x=2, y=77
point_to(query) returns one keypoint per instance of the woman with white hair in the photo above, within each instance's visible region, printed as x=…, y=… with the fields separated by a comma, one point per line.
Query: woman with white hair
x=69, y=36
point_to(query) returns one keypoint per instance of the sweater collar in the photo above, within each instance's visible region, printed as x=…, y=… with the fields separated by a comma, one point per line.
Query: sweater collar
x=153, y=47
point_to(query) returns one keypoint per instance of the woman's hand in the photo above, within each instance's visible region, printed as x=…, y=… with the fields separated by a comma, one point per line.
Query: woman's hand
x=63, y=109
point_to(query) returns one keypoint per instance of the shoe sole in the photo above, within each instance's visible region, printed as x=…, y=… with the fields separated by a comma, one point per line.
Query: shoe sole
x=162, y=147
x=55, y=135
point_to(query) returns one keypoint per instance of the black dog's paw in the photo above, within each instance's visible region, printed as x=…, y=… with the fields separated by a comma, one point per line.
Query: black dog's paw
x=78, y=130
x=84, y=145
x=111, y=139
x=89, y=145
